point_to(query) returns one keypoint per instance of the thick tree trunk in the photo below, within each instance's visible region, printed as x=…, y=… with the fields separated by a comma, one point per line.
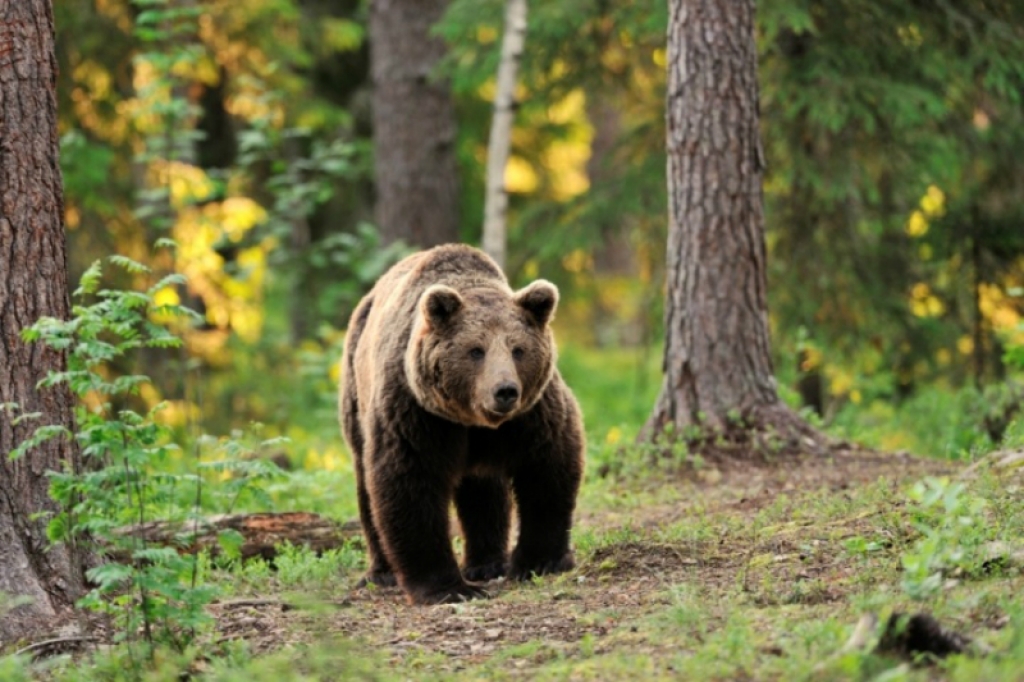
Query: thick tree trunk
x=33, y=283
x=499, y=144
x=413, y=125
x=717, y=363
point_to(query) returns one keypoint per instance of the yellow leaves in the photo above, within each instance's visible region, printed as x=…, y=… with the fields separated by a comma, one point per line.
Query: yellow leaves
x=910, y=35
x=566, y=159
x=72, y=217
x=932, y=205
x=923, y=303
x=253, y=106
x=334, y=373
x=233, y=299
x=238, y=215
x=92, y=90
x=840, y=380
x=659, y=57
x=965, y=344
x=343, y=35
x=188, y=184
x=917, y=225
x=520, y=176
x=330, y=458
x=577, y=261
x=178, y=413
x=997, y=307
x=812, y=358
x=569, y=109
x=485, y=35
x=165, y=297
x=93, y=77
x=487, y=90
x=567, y=163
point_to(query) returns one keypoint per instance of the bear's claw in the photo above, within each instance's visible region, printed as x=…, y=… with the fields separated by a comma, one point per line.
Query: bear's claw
x=451, y=595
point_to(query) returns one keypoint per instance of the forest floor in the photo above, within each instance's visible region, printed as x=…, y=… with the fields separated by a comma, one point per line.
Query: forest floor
x=738, y=572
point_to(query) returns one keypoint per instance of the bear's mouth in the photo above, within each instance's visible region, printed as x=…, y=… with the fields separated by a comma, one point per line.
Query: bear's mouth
x=495, y=418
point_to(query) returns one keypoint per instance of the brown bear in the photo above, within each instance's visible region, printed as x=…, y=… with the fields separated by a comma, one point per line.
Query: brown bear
x=450, y=392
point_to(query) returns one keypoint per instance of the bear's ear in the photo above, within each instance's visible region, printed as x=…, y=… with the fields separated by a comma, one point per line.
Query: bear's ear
x=439, y=303
x=539, y=299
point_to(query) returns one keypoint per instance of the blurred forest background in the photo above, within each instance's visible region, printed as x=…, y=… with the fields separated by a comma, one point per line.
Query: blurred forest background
x=245, y=131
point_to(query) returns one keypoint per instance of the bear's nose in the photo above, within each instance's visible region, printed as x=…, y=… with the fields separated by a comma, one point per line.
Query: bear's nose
x=505, y=396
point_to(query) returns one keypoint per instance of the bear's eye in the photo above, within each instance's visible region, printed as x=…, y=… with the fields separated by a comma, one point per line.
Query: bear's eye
x=477, y=353
x=518, y=353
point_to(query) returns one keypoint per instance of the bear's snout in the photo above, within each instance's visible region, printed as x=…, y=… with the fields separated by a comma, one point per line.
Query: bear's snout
x=506, y=395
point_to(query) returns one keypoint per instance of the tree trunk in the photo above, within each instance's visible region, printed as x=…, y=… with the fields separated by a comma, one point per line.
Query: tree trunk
x=413, y=125
x=500, y=142
x=33, y=283
x=717, y=363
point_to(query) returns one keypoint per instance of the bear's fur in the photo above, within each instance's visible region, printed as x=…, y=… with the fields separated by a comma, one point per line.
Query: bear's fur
x=450, y=392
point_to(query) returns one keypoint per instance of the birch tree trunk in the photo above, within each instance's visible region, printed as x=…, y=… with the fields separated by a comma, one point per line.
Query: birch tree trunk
x=33, y=283
x=413, y=126
x=500, y=142
x=717, y=363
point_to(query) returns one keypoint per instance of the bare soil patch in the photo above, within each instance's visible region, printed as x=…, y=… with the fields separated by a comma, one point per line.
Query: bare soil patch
x=616, y=584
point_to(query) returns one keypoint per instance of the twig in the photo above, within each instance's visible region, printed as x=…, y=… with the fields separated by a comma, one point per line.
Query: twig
x=35, y=647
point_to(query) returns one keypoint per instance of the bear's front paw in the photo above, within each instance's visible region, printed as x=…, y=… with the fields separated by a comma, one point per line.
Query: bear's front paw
x=484, y=571
x=378, y=578
x=454, y=594
x=526, y=568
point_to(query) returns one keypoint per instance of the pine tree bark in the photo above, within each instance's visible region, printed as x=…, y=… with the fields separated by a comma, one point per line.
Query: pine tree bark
x=413, y=125
x=33, y=283
x=717, y=362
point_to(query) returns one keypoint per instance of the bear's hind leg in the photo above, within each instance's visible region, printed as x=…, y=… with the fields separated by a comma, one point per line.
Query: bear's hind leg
x=483, y=507
x=378, y=570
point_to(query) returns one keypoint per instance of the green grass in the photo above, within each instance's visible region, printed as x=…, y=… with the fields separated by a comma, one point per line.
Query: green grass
x=673, y=582
x=675, y=579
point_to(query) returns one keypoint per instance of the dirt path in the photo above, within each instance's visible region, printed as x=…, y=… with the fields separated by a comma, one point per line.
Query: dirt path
x=709, y=531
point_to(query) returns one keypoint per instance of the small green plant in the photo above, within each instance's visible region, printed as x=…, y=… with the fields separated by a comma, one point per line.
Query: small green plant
x=240, y=468
x=302, y=566
x=947, y=519
x=149, y=590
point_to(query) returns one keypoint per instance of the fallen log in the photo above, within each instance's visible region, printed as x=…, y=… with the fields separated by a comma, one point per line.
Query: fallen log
x=261, y=534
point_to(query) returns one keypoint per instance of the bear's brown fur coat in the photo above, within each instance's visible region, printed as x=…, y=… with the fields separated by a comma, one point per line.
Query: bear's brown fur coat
x=450, y=392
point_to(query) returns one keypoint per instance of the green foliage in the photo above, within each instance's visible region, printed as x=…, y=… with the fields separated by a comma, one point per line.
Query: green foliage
x=241, y=469
x=948, y=519
x=871, y=111
x=152, y=590
x=1015, y=349
x=15, y=669
x=938, y=422
x=301, y=567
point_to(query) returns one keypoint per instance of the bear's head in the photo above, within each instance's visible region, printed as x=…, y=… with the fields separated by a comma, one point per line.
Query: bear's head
x=481, y=356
